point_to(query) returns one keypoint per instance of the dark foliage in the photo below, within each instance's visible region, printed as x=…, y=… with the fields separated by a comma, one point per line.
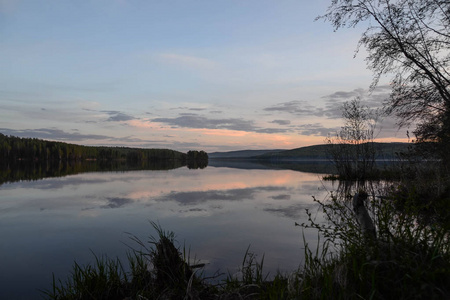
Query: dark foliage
x=30, y=159
x=197, y=159
x=30, y=149
x=410, y=41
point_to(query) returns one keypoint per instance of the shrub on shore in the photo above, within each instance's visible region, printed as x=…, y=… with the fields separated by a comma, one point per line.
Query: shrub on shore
x=407, y=259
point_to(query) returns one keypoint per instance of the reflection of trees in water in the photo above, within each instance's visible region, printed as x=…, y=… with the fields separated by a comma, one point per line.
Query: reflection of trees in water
x=308, y=166
x=343, y=196
x=31, y=159
x=25, y=170
x=197, y=159
x=346, y=189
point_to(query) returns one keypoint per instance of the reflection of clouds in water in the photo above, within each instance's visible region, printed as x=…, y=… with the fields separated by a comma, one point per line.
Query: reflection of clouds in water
x=313, y=189
x=112, y=202
x=194, y=212
x=197, y=197
x=281, y=197
x=116, y=202
x=292, y=212
x=89, y=212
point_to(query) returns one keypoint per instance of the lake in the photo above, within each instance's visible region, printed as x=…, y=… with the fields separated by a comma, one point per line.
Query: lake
x=216, y=212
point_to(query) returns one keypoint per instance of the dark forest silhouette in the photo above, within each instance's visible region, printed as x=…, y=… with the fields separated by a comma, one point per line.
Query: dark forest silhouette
x=32, y=159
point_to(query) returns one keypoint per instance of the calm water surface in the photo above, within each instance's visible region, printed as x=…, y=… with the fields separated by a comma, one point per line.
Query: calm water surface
x=46, y=225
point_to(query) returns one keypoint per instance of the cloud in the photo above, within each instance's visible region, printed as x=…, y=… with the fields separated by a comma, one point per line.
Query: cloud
x=291, y=212
x=272, y=130
x=342, y=95
x=117, y=116
x=114, y=115
x=197, y=197
x=188, y=114
x=302, y=108
x=116, y=202
x=378, y=96
x=373, y=99
x=201, y=122
x=281, y=122
x=332, y=108
x=189, y=108
x=294, y=107
x=316, y=129
x=196, y=121
x=53, y=134
x=60, y=135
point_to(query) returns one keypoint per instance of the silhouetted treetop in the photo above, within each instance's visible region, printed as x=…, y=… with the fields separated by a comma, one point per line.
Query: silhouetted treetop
x=410, y=41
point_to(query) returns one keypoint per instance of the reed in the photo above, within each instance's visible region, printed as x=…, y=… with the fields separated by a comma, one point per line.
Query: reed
x=407, y=260
x=157, y=270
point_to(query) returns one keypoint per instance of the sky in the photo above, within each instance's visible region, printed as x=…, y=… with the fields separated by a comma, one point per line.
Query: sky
x=207, y=75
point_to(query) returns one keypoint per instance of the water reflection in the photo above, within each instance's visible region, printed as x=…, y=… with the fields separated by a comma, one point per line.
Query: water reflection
x=218, y=211
x=25, y=170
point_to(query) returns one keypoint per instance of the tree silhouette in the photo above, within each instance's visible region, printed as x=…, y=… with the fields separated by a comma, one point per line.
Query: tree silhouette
x=409, y=40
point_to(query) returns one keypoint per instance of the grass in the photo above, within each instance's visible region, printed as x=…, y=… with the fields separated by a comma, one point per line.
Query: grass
x=158, y=270
x=408, y=259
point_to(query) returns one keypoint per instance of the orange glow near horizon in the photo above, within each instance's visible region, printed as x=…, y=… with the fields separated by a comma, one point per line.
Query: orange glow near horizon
x=221, y=132
x=142, y=124
x=232, y=139
x=219, y=180
x=393, y=140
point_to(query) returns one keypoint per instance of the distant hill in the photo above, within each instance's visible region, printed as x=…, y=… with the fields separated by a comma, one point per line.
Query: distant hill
x=316, y=152
x=321, y=152
x=241, y=154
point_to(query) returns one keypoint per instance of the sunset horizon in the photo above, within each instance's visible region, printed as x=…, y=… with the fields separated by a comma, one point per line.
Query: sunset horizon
x=219, y=76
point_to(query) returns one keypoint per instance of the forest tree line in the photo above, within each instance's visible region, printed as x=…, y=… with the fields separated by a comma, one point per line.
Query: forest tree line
x=31, y=149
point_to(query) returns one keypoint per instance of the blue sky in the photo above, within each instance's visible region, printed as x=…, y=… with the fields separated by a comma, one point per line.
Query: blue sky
x=211, y=75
